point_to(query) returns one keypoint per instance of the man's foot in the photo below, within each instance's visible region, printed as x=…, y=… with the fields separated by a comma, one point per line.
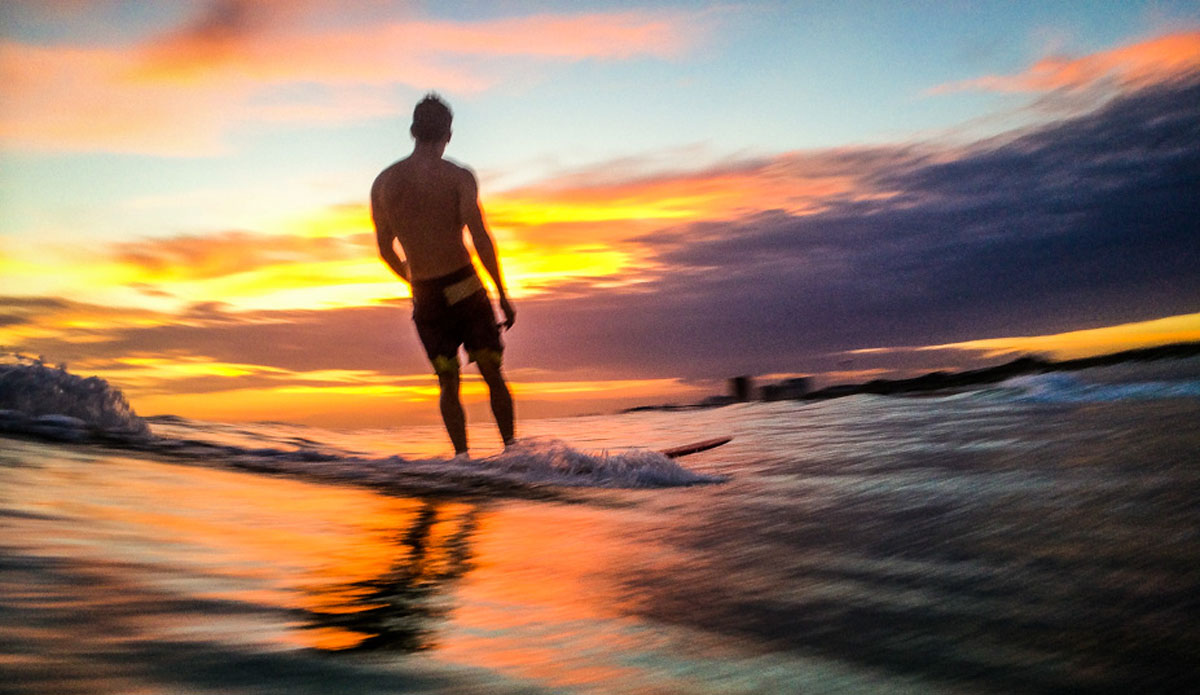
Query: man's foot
x=461, y=457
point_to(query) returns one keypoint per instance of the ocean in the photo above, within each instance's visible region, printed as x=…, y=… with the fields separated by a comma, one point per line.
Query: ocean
x=1040, y=535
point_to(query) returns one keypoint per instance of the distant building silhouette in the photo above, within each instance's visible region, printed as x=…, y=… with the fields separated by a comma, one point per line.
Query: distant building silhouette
x=741, y=387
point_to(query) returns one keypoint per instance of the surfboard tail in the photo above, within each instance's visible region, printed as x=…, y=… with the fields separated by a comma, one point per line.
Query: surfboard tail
x=695, y=447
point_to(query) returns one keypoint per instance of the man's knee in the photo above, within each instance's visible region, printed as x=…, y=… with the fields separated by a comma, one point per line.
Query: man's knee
x=489, y=369
x=489, y=360
x=446, y=366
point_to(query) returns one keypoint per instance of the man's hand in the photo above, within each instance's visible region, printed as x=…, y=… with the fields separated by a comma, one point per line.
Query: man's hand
x=510, y=314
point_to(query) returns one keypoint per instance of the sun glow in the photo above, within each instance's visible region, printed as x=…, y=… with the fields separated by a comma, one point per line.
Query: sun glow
x=231, y=392
x=1086, y=343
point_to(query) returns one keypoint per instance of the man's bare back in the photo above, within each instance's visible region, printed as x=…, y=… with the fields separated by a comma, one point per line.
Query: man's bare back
x=424, y=202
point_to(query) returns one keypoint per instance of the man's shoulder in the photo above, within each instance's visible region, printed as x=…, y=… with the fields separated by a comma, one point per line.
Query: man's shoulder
x=397, y=166
x=402, y=173
x=459, y=170
x=389, y=172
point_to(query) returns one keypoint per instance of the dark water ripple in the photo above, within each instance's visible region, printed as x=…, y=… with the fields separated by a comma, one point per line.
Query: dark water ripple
x=1063, y=557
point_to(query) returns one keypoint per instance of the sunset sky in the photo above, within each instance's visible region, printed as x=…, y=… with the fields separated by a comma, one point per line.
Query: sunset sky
x=680, y=192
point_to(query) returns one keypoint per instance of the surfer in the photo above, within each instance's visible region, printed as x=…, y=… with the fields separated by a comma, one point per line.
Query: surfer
x=422, y=203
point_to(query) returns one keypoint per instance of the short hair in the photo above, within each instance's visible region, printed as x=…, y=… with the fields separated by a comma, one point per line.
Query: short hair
x=431, y=119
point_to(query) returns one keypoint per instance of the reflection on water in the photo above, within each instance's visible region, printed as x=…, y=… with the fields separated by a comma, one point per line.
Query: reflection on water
x=120, y=575
x=943, y=546
x=354, y=569
x=398, y=609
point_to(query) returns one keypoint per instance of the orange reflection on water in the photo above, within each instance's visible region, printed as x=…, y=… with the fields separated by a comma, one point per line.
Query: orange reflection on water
x=545, y=599
x=532, y=590
x=277, y=544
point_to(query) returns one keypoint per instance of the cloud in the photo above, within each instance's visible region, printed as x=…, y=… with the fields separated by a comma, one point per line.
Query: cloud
x=357, y=339
x=81, y=98
x=607, y=212
x=1161, y=59
x=179, y=92
x=271, y=42
x=349, y=367
x=199, y=257
x=796, y=183
x=1172, y=329
x=1084, y=223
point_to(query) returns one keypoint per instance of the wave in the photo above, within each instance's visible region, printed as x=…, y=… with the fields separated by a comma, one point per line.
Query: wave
x=528, y=464
x=46, y=400
x=1062, y=387
x=50, y=404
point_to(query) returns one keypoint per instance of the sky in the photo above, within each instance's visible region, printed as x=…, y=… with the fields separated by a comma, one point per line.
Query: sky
x=680, y=192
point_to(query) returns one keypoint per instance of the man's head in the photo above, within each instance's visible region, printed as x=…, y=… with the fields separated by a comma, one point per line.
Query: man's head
x=431, y=120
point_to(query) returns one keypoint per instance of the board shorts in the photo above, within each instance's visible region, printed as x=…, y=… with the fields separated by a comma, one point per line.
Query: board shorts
x=454, y=310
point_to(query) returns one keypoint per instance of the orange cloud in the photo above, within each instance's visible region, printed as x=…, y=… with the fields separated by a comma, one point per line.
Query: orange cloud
x=572, y=233
x=323, y=259
x=35, y=320
x=176, y=94
x=587, y=229
x=563, y=231
x=795, y=183
x=1157, y=60
x=204, y=257
x=593, y=224
x=1086, y=343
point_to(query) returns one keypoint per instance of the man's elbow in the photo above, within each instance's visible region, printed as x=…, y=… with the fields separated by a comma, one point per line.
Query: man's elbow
x=479, y=235
x=386, y=245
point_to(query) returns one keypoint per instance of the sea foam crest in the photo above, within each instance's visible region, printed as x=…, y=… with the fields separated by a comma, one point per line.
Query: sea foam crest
x=50, y=401
x=553, y=461
x=527, y=464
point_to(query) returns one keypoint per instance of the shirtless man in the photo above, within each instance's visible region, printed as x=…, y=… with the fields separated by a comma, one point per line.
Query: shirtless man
x=423, y=202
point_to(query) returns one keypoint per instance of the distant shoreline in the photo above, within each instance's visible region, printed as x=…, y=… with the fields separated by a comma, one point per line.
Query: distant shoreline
x=949, y=381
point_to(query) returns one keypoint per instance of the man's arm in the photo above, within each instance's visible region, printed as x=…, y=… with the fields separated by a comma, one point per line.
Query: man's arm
x=472, y=216
x=385, y=239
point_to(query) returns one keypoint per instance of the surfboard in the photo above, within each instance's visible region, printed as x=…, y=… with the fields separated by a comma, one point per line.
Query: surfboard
x=695, y=447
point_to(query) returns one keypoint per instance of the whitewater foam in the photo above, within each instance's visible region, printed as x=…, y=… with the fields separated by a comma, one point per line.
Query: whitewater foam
x=526, y=465
x=51, y=402
x=40, y=401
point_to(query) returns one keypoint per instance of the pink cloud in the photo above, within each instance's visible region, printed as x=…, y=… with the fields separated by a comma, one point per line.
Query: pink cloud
x=227, y=253
x=179, y=92
x=256, y=39
x=1156, y=60
x=77, y=99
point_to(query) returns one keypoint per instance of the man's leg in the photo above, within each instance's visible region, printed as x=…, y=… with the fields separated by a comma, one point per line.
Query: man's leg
x=502, y=404
x=452, y=410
